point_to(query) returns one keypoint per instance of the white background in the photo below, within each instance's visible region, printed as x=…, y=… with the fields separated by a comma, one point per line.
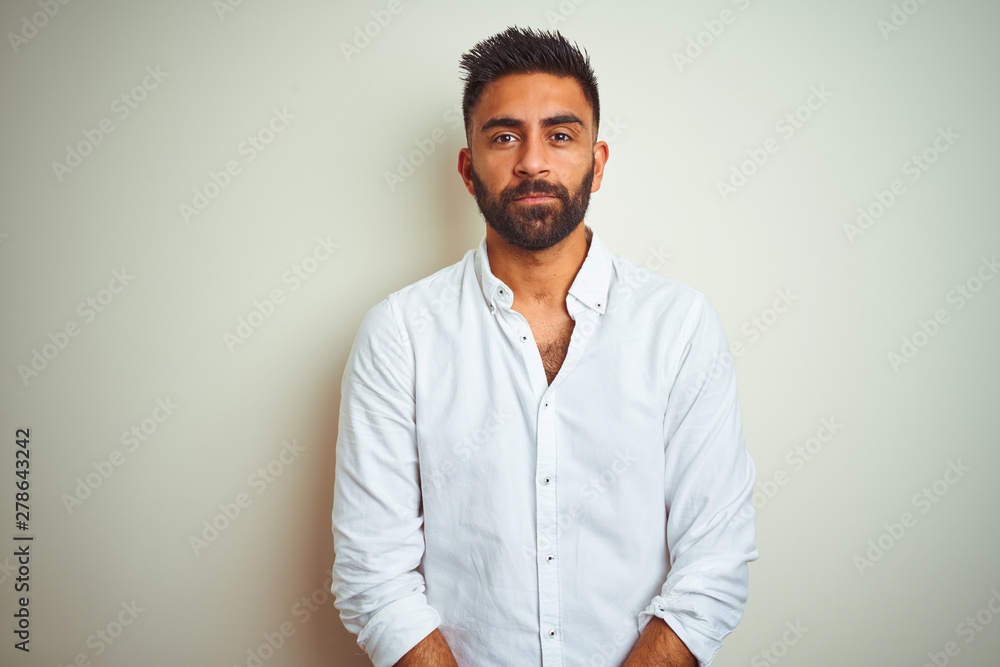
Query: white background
x=676, y=130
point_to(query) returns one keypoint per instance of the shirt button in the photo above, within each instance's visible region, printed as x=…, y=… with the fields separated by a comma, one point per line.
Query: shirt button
x=524, y=338
x=552, y=632
x=549, y=558
x=546, y=480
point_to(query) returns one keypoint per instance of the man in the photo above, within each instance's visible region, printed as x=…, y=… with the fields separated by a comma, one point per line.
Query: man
x=540, y=459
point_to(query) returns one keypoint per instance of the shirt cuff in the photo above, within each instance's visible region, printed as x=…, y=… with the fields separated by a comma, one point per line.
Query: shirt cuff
x=396, y=628
x=687, y=622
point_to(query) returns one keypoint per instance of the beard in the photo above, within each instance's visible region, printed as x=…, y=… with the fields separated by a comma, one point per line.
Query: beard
x=534, y=226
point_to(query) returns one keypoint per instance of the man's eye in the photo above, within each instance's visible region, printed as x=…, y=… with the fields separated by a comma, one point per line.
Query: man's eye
x=497, y=138
x=561, y=134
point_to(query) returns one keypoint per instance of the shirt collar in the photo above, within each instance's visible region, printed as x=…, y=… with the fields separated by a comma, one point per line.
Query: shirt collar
x=590, y=287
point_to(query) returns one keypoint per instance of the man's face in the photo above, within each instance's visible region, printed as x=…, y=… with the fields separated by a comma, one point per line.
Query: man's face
x=535, y=163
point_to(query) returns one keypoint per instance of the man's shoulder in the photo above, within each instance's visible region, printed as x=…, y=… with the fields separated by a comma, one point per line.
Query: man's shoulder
x=440, y=285
x=673, y=311
x=645, y=287
x=432, y=291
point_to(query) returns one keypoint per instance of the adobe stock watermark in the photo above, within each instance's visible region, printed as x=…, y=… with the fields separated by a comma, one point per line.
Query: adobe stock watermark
x=631, y=282
x=698, y=43
x=223, y=7
x=958, y=297
x=6, y=569
x=425, y=146
x=30, y=25
x=465, y=448
x=562, y=12
x=365, y=34
x=592, y=490
x=447, y=296
x=968, y=629
x=470, y=445
x=249, y=149
x=760, y=324
x=723, y=362
x=259, y=481
x=121, y=108
x=265, y=650
x=308, y=605
x=773, y=654
x=740, y=173
x=914, y=167
x=899, y=16
x=104, y=637
x=797, y=457
x=88, y=310
x=924, y=500
x=611, y=130
x=302, y=610
x=133, y=438
x=294, y=277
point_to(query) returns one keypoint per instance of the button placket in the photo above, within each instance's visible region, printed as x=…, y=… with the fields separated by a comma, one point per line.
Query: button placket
x=547, y=537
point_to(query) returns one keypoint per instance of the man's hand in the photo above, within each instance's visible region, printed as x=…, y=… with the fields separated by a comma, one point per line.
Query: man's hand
x=658, y=646
x=432, y=651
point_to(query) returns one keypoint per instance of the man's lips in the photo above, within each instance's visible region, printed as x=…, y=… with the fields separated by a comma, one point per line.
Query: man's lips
x=536, y=198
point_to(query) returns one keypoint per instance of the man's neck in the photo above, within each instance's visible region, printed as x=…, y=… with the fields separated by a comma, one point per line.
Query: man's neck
x=540, y=279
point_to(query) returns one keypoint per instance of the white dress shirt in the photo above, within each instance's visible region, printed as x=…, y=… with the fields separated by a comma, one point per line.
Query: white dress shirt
x=539, y=524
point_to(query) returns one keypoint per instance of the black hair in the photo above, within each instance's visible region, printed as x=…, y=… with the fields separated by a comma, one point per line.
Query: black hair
x=522, y=50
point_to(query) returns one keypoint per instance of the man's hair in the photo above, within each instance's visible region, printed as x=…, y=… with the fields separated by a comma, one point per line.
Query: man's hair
x=522, y=50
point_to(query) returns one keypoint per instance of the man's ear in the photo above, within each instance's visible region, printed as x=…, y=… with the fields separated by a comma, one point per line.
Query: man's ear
x=600, y=159
x=465, y=169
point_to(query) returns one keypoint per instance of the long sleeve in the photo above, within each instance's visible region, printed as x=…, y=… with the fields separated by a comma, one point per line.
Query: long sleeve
x=709, y=479
x=377, y=515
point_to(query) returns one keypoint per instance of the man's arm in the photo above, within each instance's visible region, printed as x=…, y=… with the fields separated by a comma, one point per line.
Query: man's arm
x=378, y=533
x=708, y=480
x=659, y=646
x=432, y=651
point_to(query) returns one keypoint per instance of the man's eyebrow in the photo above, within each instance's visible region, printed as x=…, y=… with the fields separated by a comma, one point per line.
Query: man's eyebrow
x=506, y=121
